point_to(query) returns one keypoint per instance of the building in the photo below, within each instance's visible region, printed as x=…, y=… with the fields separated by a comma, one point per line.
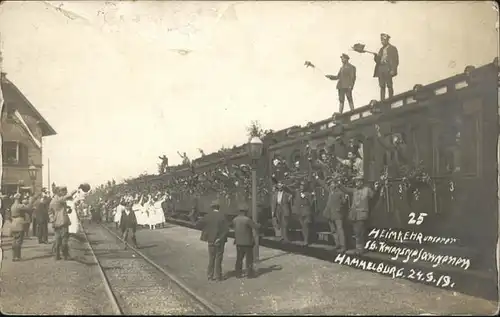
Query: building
x=23, y=129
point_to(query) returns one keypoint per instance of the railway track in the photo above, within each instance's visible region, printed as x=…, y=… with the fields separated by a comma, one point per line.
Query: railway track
x=137, y=285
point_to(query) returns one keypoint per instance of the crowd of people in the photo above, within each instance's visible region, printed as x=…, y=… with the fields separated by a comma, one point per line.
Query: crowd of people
x=37, y=211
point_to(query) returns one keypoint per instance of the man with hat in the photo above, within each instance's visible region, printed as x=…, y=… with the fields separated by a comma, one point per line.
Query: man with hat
x=333, y=210
x=18, y=212
x=58, y=213
x=386, y=66
x=302, y=207
x=244, y=240
x=358, y=214
x=346, y=78
x=128, y=223
x=42, y=217
x=214, y=228
x=280, y=210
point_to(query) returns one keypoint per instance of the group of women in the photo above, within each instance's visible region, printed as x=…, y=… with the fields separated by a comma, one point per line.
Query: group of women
x=147, y=208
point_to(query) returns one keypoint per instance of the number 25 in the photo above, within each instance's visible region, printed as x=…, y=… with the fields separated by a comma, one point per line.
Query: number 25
x=419, y=220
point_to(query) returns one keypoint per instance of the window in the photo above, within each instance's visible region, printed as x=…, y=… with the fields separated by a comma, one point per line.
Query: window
x=295, y=157
x=10, y=154
x=469, y=141
x=15, y=153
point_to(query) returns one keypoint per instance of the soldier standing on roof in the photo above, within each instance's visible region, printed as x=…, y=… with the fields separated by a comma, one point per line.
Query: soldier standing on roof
x=346, y=78
x=386, y=66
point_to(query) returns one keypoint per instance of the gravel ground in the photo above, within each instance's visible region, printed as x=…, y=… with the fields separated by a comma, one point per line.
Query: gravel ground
x=295, y=284
x=139, y=287
x=40, y=285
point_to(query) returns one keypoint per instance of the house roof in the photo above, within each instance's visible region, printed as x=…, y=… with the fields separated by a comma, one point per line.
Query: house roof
x=9, y=88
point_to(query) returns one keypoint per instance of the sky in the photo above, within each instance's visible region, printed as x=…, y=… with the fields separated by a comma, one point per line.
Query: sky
x=110, y=79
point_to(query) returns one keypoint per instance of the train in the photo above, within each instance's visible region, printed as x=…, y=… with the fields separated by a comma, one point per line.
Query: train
x=448, y=129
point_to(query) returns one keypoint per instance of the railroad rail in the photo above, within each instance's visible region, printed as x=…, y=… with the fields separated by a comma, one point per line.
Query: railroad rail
x=123, y=291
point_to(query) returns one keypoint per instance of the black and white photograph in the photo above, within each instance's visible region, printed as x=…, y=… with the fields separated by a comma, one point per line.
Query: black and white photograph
x=249, y=157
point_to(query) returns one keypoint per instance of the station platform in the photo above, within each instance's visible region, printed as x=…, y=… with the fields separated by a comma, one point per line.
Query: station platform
x=40, y=285
x=473, y=281
x=290, y=283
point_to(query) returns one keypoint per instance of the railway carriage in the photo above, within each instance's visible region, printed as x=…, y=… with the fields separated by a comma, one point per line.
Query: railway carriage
x=447, y=134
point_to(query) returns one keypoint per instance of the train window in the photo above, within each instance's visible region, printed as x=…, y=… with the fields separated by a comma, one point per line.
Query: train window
x=295, y=157
x=469, y=141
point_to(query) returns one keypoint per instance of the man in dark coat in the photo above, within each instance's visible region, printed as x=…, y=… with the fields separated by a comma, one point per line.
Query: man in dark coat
x=244, y=240
x=42, y=219
x=128, y=224
x=214, y=228
x=280, y=210
x=346, y=79
x=386, y=66
x=302, y=207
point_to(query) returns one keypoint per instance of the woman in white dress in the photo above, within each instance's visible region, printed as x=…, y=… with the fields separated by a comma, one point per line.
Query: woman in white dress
x=118, y=214
x=74, y=227
x=151, y=213
x=145, y=212
x=138, y=209
x=160, y=216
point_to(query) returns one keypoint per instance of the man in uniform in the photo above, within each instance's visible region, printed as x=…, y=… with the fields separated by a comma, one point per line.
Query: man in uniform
x=58, y=214
x=346, y=78
x=215, y=229
x=386, y=66
x=18, y=213
x=302, y=203
x=333, y=211
x=244, y=240
x=280, y=210
x=359, y=212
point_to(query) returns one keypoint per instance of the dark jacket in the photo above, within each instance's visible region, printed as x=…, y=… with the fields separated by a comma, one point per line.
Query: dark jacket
x=346, y=76
x=392, y=60
x=214, y=227
x=334, y=203
x=243, y=233
x=284, y=207
x=301, y=206
x=128, y=221
x=42, y=210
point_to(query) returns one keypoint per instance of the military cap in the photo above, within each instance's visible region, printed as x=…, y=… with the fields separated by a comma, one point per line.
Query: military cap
x=385, y=36
x=345, y=56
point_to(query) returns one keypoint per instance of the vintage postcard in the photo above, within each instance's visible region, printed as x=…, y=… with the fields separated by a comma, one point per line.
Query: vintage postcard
x=249, y=157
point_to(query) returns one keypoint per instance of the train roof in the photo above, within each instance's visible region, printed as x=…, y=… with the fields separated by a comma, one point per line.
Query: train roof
x=418, y=98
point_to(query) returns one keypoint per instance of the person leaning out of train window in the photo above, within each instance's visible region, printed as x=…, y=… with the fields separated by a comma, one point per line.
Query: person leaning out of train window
x=396, y=146
x=302, y=207
x=280, y=210
x=359, y=211
x=333, y=210
x=353, y=161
